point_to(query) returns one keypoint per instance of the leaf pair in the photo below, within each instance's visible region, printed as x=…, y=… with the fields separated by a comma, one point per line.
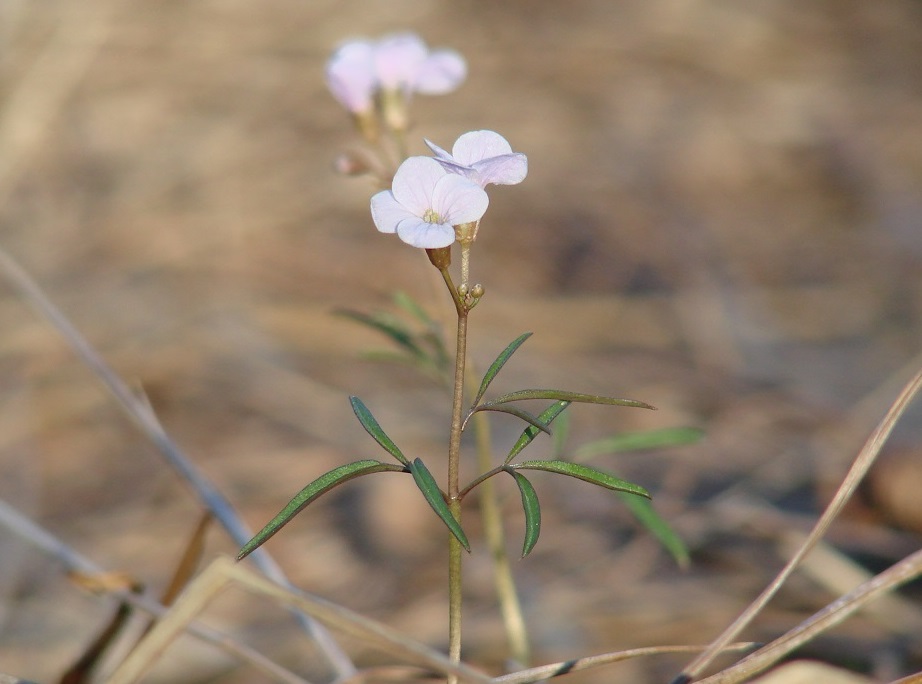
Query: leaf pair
x=530, y=503
x=323, y=484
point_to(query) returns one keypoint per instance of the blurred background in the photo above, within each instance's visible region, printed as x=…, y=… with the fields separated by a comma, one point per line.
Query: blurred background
x=721, y=218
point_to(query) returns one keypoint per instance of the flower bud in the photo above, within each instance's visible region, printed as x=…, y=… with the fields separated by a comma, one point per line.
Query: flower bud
x=352, y=163
x=477, y=291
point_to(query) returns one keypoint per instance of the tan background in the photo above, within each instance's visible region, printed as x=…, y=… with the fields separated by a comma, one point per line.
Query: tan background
x=722, y=217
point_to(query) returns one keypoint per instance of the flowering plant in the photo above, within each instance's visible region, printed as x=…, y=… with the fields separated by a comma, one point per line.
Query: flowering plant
x=432, y=203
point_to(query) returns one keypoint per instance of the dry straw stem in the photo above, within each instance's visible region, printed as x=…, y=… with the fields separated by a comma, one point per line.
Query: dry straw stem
x=854, y=476
x=223, y=572
x=75, y=563
x=536, y=674
x=904, y=571
x=142, y=415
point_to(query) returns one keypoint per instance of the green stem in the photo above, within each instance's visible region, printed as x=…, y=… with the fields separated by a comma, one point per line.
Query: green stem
x=509, y=605
x=454, y=503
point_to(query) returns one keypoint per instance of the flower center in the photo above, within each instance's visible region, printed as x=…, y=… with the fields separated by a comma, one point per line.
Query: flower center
x=431, y=216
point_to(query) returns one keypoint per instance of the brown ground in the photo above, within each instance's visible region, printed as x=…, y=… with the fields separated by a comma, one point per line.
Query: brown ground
x=722, y=217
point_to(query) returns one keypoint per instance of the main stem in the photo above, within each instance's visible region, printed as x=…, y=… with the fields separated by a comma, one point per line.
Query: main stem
x=454, y=504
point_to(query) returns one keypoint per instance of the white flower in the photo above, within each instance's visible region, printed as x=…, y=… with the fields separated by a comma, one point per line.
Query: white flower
x=484, y=157
x=425, y=202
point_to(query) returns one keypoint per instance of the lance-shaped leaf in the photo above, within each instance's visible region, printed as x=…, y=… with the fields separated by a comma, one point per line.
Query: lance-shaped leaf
x=562, y=395
x=390, y=326
x=648, y=517
x=636, y=441
x=430, y=489
x=371, y=426
x=584, y=472
x=497, y=365
x=529, y=418
x=412, y=307
x=532, y=512
x=431, y=334
x=320, y=486
x=528, y=435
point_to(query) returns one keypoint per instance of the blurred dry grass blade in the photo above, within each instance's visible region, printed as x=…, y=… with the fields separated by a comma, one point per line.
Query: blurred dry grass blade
x=904, y=571
x=141, y=414
x=82, y=670
x=536, y=674
x=80, y=566
x=859, y=468
x=223, y=572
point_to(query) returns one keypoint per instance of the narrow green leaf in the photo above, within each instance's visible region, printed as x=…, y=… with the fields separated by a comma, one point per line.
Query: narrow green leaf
x=528, y=435
x=320, y=486
x=562, y=395
x=636, y=441
x=643, y=510
x=518, y=413
x=412, y=307
x=584, y=472
x=430, y=489
x=561, y=433
x=390, y=326
x=532, y=512
x=497, y=365
x=371, y=426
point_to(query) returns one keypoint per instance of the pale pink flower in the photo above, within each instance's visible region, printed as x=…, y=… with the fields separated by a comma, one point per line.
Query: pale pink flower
x=350, y=75
x=400, y=62
x=404, y=62
x=425, y=202
x=484, y=157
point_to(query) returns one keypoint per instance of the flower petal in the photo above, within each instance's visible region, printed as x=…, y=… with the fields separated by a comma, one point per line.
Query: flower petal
x=438, y=151
x=478, y=145
x=506, y=169
x=398, y=59
x=350, y=75
x=441, y=73
x=387, y=212
x=458, y=200
x=414, y=182
x=418, y=233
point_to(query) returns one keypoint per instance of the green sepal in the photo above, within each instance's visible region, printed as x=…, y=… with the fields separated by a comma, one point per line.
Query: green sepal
x=532, y=512
x=320, y=486
x=371, y=426
x=643, y=510
x=637, y=441
x=430, y=489
x=562, y=395
x=584, y=472
x=546, y=417
x=497, y=365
